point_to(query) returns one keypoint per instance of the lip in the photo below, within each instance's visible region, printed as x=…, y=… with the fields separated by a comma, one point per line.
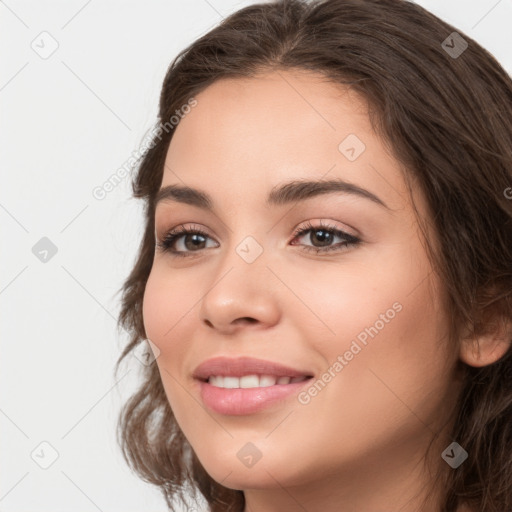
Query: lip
x=240, y=366
x=243, y=401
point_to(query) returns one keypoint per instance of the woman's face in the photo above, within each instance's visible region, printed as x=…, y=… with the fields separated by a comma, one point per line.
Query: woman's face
x=365, y=321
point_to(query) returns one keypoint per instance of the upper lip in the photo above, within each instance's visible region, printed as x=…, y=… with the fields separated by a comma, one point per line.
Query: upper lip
x=240, y=366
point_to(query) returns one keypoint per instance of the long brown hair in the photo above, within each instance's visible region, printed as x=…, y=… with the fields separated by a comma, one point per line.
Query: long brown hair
x=445, y=112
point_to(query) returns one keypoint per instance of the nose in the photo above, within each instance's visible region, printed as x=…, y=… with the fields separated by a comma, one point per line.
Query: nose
x=240, y=295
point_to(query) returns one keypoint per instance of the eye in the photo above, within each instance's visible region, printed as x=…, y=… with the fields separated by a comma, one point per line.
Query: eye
x=323, y=235
x=192, y=239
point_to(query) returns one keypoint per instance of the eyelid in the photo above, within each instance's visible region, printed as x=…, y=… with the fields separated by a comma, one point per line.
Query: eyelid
x=165, y=226
x=315, y=222
x=167, y=241
x=163, y=230
x=320, y=222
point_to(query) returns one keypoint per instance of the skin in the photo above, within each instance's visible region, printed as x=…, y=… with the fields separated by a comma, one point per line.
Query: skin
x=359, y=443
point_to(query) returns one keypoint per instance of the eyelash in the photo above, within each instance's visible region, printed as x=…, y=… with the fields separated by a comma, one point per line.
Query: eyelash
x=171, y=236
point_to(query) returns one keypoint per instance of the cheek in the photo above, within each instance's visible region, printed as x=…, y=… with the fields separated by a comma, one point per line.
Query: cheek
x=399, y=366
x=153, y=311
x=167, y=306
x=166, y=309
x=170, y=315
x=390, y=328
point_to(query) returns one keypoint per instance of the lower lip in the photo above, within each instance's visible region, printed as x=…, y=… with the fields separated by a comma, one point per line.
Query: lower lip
x=240, y=401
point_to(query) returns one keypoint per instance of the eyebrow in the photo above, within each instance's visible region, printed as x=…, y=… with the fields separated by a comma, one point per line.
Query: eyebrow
x=290, y=192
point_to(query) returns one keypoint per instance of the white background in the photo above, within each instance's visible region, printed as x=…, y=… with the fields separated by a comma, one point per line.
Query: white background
x=67, y=124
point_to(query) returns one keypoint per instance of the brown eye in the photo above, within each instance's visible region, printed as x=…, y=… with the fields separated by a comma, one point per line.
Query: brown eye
x=190, y=240
x=322, y=238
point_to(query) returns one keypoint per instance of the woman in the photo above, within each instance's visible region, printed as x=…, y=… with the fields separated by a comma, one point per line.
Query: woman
x=340, y=340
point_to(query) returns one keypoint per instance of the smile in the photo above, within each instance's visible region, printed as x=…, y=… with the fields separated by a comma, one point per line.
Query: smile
x=251, y=381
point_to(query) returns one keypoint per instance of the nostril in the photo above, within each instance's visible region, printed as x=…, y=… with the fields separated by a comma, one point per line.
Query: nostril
x=246, y=319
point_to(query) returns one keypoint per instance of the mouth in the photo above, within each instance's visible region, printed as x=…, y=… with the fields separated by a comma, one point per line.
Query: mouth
x=245, y=369
x=239, y=401
x=252, y=381
x=242, y=386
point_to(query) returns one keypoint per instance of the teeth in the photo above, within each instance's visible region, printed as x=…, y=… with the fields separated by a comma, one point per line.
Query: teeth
x=231, y=382
x=267, y=380
x=216, y=381
x=251, y=381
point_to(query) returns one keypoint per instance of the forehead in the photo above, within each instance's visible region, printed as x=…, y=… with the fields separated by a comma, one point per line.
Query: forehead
x=273, y=109
x=249, y=134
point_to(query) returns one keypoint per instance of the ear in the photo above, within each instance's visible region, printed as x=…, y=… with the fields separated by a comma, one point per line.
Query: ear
x=489, y=347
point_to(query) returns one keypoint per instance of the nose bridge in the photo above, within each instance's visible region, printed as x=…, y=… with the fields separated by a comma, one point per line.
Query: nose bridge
x=244, y=264
x=240, y=286
x=248, y=238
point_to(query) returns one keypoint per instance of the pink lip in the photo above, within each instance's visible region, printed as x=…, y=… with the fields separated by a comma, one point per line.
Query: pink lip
x=239, y=366
x=240, y=401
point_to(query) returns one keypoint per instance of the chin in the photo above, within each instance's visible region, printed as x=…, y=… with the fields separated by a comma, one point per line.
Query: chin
x=242, y=479
x=230, y=470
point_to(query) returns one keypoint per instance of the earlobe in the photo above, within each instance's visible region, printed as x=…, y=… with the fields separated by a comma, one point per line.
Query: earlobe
x=488, y=348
